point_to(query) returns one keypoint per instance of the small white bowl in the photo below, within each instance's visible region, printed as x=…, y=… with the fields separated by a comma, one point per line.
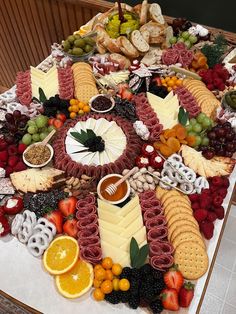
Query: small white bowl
x=113, y=202
x=102, y=111
x=41, y=165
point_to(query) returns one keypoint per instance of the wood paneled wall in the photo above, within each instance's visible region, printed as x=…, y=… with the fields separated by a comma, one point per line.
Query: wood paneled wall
x=29, y=27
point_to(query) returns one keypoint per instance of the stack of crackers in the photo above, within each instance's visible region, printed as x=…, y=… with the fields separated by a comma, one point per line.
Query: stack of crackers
x=85, y=85
x=204, y=97
x=183, y=232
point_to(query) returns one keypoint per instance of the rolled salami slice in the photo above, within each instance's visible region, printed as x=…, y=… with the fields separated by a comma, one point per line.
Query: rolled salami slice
x=147, y=195
x=160, y=248
x=150, y=204
x=152, y=212
x=86, y=211
x=89, y=242
x=157, y=233
x=85, y=222
x=162, y=262
x=90, y=231
x=155, y=222
x=91, y=254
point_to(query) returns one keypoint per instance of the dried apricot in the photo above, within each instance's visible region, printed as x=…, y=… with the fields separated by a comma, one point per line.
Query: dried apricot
x=183, y=142
x=162, y=138
x=181, y=132
x=169, y=133
x=174, y=144
x=202, y=61
x=166, y=150
x=191, y=140
x=156, y=145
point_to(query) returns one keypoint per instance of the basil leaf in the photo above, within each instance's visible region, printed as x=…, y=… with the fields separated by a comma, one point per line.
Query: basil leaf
x=42, y=96
x=182, y=116
x=142, y=256
x=134, y=251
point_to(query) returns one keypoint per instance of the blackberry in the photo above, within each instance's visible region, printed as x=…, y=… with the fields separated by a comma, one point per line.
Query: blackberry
x=126, y=273
x=148, y=291
x=156, y=306
x=158, y=286
x=134, y=302
x=157, y=274
x=113, y=297
x=125, y=296
x=136, y=274
x=145, y=270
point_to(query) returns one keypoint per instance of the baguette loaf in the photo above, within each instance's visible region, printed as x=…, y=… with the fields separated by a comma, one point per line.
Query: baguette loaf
x=156, y=31
x=139, y=42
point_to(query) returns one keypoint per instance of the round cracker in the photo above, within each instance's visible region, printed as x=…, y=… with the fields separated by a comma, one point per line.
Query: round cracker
x=175, y=198
x=179, y=224
x=188, y=236
x=175, y=205
x=160, y=192
x=169, y=194
x=192, y=260
x=184, y=228
x=177, y=210
x=182, y=216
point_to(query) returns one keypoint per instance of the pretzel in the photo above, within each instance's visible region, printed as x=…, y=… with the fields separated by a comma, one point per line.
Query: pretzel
x=188, y=173
x=37, y=244
x=25, y=232
x=186, y=187
x=30, y=217
x=17, y=224
x=43, y=230
x=48, y=224
x=168, y=180
x=201, y=183
x=175, y=157
x=8, y=96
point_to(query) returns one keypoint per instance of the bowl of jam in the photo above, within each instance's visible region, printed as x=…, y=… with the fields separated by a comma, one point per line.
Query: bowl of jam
x=102, y=103
x=121, y=194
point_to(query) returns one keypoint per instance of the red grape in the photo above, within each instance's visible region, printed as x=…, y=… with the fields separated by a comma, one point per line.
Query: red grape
x=16, y=114
x=211, y=135
x=208, y=154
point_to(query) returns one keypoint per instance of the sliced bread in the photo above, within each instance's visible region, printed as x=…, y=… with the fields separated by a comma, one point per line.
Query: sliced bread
x=156, y=14
x=144, y=12
x=146, y=35
x=139, y=42
x=128, y=48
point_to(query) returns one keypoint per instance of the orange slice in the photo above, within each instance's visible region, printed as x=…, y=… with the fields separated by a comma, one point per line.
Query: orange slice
x=76, y=281
x=61, y=255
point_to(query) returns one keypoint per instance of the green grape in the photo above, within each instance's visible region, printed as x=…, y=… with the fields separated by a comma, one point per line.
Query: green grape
x=31, y=123
x=43, y=135
x=41, y=121
x=32, y=129
x=188, y=128
x=180, y=40
x=197, y=128
x=26, y=139
x=192, y=39
x=185, y=35
x=173, y=40
x=36, y=137
x=191, y=133
x=192, y=121
x=206, y=123
x=205, y=141
x=198, y=140
x=188, y=44
x=201, y=117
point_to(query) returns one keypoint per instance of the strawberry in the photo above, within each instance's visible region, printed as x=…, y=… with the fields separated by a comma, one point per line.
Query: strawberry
x=3, y=155
x=195, y=206
x=67, y=206
x=220, y=212
x=186, y=294
x=217, y=200
x=207, y=229
x=13, y=160
x=51, y=121
x=3, y=144
x=55, y=216
x=70, y=227
x=210, y=86
x=61, y=117
x=14, y=205
x=21, y=148
x=12, y=150
x=19, y=166
x=211, y=216
x=4, y=226
x=221, y=87
x=57, y=123
x=205, y=192
x=126, y=94
x=8, y=170
x=169, y=298
x=217, y=181
x=173, y=278
x=200, y=214
x=194, y=197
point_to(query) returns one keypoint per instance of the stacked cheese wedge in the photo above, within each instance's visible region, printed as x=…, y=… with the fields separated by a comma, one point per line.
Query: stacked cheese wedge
x=166, y=109
x=117, y=226
x=47, y=81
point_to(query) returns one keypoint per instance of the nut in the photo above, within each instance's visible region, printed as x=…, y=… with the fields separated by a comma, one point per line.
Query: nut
x=85, y=177
x=152, y=186
x=125, y=171
x=149, y=178
x=139, y=184
x=140, y=190
x=133, y=185
x=67, y=190
x=143, y=170
x=150, y=169
x=142, y=179
x=70, y=181
x=136, y=175
x=145, y=186
x=76, y=181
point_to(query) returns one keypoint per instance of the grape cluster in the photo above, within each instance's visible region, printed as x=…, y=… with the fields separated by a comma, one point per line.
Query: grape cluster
x=14, y=127
x=54, y=105
x=184, y=37
x=124, y=109
x=198, y=128
x=37, y=130
x=222, y=141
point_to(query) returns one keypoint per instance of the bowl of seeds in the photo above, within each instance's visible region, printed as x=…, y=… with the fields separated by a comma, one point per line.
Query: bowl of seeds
x=38, y=155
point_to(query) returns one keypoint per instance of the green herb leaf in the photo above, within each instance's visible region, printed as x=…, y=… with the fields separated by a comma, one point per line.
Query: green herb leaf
x=142, y=256
x=182, y=116
x=90, y=133
x=134, y=251
x=42, y=96
x=36, y=99
x=78, y=137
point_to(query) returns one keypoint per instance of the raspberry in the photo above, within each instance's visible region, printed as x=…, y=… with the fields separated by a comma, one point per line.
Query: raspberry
x=211, y=216
x=3, y=144
x=205, y=192
x=12, y=150
x=3, y=155
x=13, y=160
x=200, y=214
x=8, y=170
x=194, y=197
x=217, y=201
x=2, y=164
x=19, y=166
x=195, y=206
x=220, y=212
x=205, y=202
x=222, y=192
x=225, y=182
x=21, y=148
x=207, y=228
x=217, y=181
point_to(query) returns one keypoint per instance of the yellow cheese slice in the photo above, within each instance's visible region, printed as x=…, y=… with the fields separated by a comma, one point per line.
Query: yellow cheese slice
x=115, y=253
x=111, y=227
x=133, y=228
x=131, y=216
x=106, y=206
x=112, y=237
x=141, y=238
x=130, y=205
x=125, y=260
x=110, y=217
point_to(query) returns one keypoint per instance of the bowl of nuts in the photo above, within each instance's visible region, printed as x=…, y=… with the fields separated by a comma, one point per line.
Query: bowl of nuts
x=38, y=155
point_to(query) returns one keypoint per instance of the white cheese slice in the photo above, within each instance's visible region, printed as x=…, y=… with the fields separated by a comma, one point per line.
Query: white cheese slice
x=71, y=149
x=114, y=252
x=110, y=217
x=129, y=206
x=111, y=237
x=125, y=260
x=130, y=217
x=106, y=206
x=140, y=236
x=136, y=225
x=83, y=158
x=96, y=159
x=110, y=227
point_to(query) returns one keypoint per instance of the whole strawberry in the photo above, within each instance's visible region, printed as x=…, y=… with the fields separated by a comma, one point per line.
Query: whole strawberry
x=186, y=294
